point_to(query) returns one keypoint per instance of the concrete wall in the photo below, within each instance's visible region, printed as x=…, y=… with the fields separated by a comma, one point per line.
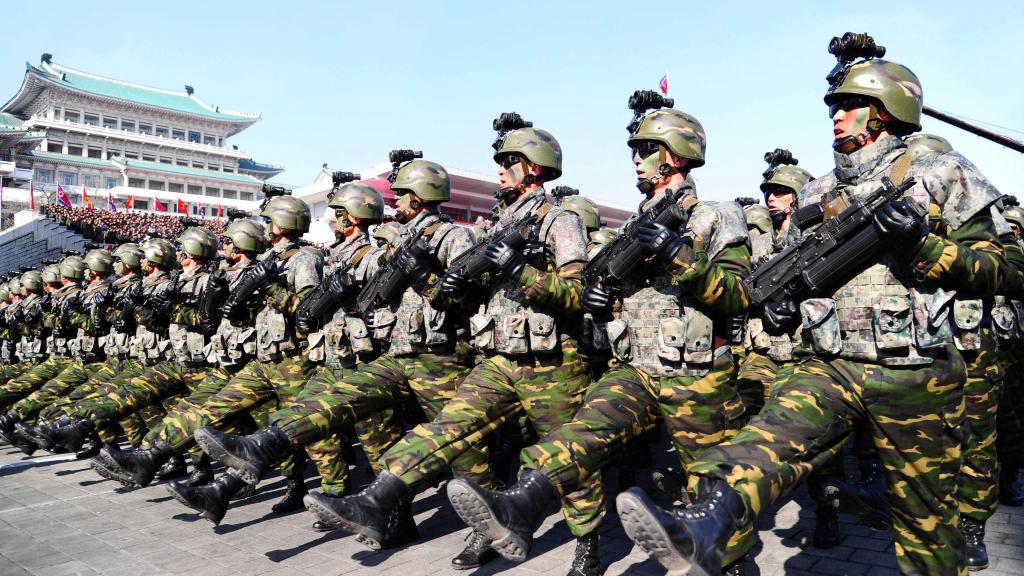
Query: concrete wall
x=33, y=239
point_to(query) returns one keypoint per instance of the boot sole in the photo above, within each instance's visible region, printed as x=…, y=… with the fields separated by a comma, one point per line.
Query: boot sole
x=101, y=467
x=184, y=501
x=365, y=537
x=646, y=531
x=216, y=451
x=475, y=512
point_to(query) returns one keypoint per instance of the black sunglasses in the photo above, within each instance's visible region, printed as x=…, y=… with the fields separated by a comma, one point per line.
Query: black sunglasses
x=847, y=104
x=645, y=148
x=509, y=160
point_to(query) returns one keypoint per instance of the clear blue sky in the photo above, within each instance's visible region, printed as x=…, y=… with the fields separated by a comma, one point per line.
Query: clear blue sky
x=344, y=82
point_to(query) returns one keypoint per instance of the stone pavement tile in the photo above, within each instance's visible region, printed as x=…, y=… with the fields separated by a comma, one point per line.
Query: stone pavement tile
x=72, y=568
x=9, y=568
x=332, y=566
x=877, y=559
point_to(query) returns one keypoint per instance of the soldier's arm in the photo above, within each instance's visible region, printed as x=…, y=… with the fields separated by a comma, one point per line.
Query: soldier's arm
x=308, y=272
x=969, y=259
x=717, y=282
x=1013, y=276
x=561, y=286
x=456, y=242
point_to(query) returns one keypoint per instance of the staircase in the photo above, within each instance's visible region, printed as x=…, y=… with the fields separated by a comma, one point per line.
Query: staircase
x=31, y=242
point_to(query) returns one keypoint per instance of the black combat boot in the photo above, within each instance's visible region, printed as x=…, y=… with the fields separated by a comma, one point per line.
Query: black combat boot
x=366, y=514
x=91, y=447
x=210, y=500
x=20, y=440
x=34, y=432
x=202, y=472
x=975, y=551
x=135, y=468
x=251, y=456
x=1009, y=489
x=826, y=528
x=586, y=562
x=478, y=551
x=7, y=422
x=737, y=568
x=684, y=539
x=672, y=484
x=74, y=434
x=509, y=517
x=293, y=495
x=401, y=529
x=175, y=467
x=866, y=500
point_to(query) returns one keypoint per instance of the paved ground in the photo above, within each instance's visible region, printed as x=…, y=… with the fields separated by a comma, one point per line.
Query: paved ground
x=57, y=517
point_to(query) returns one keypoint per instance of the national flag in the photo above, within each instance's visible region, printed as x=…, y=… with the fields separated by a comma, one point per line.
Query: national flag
x=130, y=202
x=182, y=208
x=202, y=210
x=663, y=84
x=220, y=210
x=110, y=202
x=31, y=194
x=85, y=198
x=62, y=197
x=157, y=206
x=1, y=193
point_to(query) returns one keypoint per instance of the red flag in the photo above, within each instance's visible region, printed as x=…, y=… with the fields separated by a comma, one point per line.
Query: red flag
x=32, y=194
x=663, y=84
x=220, y=210
x=62, y=197
x=182, y=208
x=130, y=202
x=85, y=198
x=157, y=206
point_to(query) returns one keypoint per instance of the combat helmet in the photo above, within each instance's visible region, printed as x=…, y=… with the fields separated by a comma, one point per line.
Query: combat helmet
x=1015, y=215
x=429, y=181
x=758, y=218
x=51, y=274
x=602, y=235
x=677, y=131
x=5, y=292
x=73, y=268
x=359, y=200
x=247, y=235
x=389, y=233
x=536, y=145
x=160, y=252
x=32, y=281
x=924, y=144
x=130, y=254
x=199, y=242
x=288, y=213
x=14, y=285
x=100, y=261
x=585, y=208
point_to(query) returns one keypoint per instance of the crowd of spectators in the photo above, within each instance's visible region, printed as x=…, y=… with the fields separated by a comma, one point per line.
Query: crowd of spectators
x=110, y=227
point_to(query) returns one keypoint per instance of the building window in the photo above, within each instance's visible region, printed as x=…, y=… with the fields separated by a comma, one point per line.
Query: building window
x=56, y=147
x=95, y=152
x=111, y=182
x=245, y=195
x=145, y=128
x=229, y=169
x=215, y=167
x=132, y=155
x=157, y=185
x=215, y=192
x=165, y=160
x=198, y=165
x=193, y=189
x=88, y=181
x=110, y=123
x=162, y=131
x=91, y=120
x=71, y=115
x=210, y=140
x=111, y=152
x=178, y=134
x=231, y=194
x=175, y=187
x=128, y=125
x=137, y=182
x=194, y=136
x=44, y=176
x=74, y=150
x=141, y=204
x=181, y=162
x=148, y=157
x=67, y=178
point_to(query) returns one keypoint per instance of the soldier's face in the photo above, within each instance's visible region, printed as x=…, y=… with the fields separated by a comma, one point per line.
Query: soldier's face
x=406, y=207
x=852, y=122
x=780, y=199
x=1016, y=230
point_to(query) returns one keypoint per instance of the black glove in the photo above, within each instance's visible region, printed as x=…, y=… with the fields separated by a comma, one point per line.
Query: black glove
x=262, y=273
x=597, y=299
x=506, y=259
x=901, y=225
x=415, y=269
x=336, y=285
x=780, y=317
x=162, y=302
x=661, y=241
x=126, y=318
x=454, y=285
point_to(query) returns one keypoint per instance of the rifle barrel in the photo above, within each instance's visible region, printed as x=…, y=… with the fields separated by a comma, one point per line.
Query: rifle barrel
x=975, y=129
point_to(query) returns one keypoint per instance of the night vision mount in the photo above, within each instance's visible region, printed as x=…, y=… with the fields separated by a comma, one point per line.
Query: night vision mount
x=399, y=157
x=776, y=158
x=847, y=49
x=505, y=123
x=338, y=178
x=560, y=193
x=642, y=102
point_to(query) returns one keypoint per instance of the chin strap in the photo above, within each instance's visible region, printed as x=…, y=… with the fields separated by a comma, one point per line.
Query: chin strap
x=665, y=170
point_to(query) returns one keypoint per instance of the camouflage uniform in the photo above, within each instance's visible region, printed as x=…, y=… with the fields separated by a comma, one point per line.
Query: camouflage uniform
x=883, y=358
x=1008, y=326
x=672, y=358
x=50, y=355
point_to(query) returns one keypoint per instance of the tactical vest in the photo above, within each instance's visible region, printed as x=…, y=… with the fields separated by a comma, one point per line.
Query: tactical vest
x=88, y=345
x=119, y=344
x=148, y=346
x=59, y=345
x=1007, y=318
x=275, y=337
x=187, y=342
x=413, y=326
x=232, y=345
x=345, y=338
x=778, y=347
x=507, y=324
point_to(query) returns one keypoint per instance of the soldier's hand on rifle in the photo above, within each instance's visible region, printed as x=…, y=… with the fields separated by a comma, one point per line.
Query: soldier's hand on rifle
x=780, y=317
x=661, y=241
x=901, y=225
x=336, y=285
x=414, y=268
x=597, y=299
x=506, y=259
x=262, y=272
x=454, y=285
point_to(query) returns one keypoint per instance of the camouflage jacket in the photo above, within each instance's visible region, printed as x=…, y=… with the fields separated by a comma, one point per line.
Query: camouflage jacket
x=60, y=320
x=671, y=321
x=123, y=289
x=414, y=325
x=1008, y=305
x=778, y=347
x=91, y=321
x=301, y=270
x=187, y=339
x=896, y=310
x=6, y=342
x=234, y=343
x=345, y=338
x=151, y=344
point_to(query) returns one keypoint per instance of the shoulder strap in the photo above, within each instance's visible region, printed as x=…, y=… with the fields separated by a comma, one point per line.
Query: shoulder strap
x=289, y=253
x=899, y=169
x=359, y=254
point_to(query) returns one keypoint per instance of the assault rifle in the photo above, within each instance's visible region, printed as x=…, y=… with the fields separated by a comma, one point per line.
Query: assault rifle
x=619, y=259
x=827, y=257
x=390, y=282
x=472, y=264
x=325, y=299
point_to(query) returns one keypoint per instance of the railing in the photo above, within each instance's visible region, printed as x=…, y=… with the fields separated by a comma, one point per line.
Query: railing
x=137, y=136
x=6, y=158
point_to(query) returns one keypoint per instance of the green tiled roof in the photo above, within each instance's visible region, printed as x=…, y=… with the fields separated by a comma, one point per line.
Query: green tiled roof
x=74, y=159
x=169, y=99
x=9, y=121
x=184, y=171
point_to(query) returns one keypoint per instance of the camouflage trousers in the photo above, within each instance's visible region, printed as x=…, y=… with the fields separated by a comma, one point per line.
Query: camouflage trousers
x=76, y=373
x=370, y=393
x=624, y=405
x=914, y=415
x=547, y=389
x=978, y=491
x=1010, y=419
x=754, y=380
x=10, y=371
x=257, y=385
x=31, y=380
